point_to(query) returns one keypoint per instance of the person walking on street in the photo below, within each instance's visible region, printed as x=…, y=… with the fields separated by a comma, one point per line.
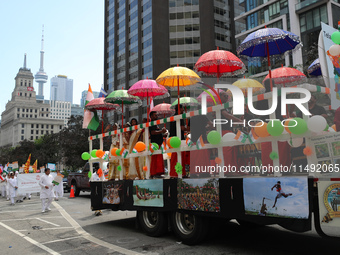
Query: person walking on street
x=46, y=193
x=12, y=188
x=3, y=185
x=59, y=189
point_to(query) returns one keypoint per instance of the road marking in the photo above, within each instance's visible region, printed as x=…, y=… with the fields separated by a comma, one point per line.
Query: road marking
x=56, y=225
x=30, y=240
x=23, y=230
x=87, y=236
x=53, y=217
x=61, y=240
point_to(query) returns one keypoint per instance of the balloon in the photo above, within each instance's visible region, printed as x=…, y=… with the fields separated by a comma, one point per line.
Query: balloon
x=228, y=137
x=273, y=155
x=113, y=151
x=169, y=154
x=168, y=142
x=119, y=168
x=100, y=172
x=100, y=153
x=300, y=128
x=140, y=146
x=334, y=50
x=334, y=127
x=89, y=174
x=156, y=146
x=316, y=123
x=286, y=125
x=275, y=128
x=307, y=151
x=218, y=160
x=327, y=127
x=93, y=153
x=145, y=168
x=214, y=137
x=175, y=142
x=261, y=131
x=295, y=142
x=85, y=156
x=118, y=152
x=336, y=37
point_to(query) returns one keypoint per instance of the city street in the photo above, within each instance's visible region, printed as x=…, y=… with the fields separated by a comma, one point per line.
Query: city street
x=71, y=227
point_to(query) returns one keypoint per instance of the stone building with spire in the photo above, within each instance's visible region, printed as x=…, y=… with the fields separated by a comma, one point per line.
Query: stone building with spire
x=24, y=116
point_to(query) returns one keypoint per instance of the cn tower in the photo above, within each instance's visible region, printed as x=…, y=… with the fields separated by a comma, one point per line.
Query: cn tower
x=41, y=77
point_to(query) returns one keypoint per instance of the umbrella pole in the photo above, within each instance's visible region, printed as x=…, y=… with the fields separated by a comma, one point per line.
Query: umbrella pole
x=102, y=121
x=186, y=119
x=269, y=66
x=178, y=95
x=122, y=114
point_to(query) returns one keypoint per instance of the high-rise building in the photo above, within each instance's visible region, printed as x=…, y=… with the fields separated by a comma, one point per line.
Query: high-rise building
x=24, y=116
x=60, y=110
x=61, y=89
x=303, y=18
x=144, y=38
x=41, y=77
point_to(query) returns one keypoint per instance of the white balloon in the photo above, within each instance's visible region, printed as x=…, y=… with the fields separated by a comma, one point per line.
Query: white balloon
x=317, y=123
x=228, y=137
x=295, y=142
x=334, y=50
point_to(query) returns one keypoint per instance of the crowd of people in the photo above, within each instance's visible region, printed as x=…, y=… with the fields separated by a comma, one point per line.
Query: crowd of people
x=9, y=188
x=199, y=201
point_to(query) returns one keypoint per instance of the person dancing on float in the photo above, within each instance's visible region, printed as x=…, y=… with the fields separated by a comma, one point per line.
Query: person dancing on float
x=280, y=193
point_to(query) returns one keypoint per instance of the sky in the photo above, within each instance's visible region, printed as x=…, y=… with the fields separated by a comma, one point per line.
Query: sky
x=73, y=43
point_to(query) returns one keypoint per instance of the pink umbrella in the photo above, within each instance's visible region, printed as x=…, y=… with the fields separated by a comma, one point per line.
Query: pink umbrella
x=146, y=89
x=164, y=110
x=209, y=92
x=100, y=105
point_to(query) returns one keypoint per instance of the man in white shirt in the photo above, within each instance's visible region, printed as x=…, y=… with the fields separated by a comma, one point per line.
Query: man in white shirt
x=46, y=192
x=3, y=185
x=12, y=187
x=20, y=197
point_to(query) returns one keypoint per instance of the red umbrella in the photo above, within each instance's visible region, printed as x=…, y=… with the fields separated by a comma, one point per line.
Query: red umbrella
x=100, y=105
x=286, y=76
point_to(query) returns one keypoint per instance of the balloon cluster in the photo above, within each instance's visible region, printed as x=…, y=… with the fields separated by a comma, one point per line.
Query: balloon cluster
x=173, y=142
x=334, y=50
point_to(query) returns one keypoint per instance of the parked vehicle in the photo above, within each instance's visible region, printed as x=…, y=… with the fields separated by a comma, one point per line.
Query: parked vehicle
x=67, y=188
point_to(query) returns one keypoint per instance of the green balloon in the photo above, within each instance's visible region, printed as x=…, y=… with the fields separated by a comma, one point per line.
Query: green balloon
x=273, y=155
x=85, y=156
x=119, y=168
x=275, y=128
x=300, y=128
x=336, y=37
x=93, y=153
x=214, y=137
x=326, y=128
x=156, y=146
x=175, y=142
x=118, y=152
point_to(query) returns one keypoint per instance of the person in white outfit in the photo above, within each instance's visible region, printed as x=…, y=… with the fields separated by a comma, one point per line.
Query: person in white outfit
x=3, y=185
x=46, y=193
x=12, y=188
x=58, y=189
x=7, y=186
x=20, y=197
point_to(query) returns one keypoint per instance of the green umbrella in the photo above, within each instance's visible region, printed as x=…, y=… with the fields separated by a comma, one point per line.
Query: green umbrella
x=123, y=98
x=186, y=102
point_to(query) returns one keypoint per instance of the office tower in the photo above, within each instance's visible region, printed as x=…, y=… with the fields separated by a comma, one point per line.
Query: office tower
x=61, y=89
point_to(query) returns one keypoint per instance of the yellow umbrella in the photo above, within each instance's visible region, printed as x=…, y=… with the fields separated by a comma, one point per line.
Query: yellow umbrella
x=244, y=84
x=176, y=77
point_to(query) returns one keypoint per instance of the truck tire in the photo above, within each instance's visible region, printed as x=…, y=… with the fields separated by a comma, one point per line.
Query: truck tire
x=75, y=189
x=189, y=228
x=153, y=223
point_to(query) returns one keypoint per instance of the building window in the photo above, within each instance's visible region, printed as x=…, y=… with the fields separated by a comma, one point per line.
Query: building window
x=31, y=110
x=37, y=132
x=22, y=131
x=42, y=125
x=22, y=125
x=42, y=115
x=30, y=115
x=31, y=137
x=37, y=125
x=22, y=138
x=18, y=109
x=60, y=127
x=32, y=132
x=32, y=125
x=42, y=132
x=35, y=110
x=47, y=126
x=36, y=137
x=35, y=116
x=51, y=126
x=18, y=115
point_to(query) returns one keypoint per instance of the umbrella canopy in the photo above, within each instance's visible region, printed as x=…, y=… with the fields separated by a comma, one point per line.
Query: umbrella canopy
x=148, y=88
x=219, y=63
x=209, y=92
x=314, y=69
x=186, y=102
x=163, y=110
x=268, y=42
x=287, y=76
x=244, y=84
x=100, y=105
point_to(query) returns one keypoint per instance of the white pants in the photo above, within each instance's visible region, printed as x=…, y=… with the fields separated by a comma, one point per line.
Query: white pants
x=3, y=191
x=12, y=200
x=46, y=202
x=28, y=195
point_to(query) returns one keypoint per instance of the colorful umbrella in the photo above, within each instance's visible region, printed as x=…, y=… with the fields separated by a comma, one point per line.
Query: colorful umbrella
x=100, y=105
x=268, y=42
x=219, y=63
x=211, y=97
x=244, y=84
x=163, y=110
x=176, y=77
x=315, y=69
x=186, y=102
x=146, y=89
x=286, y=76
x=121, y=97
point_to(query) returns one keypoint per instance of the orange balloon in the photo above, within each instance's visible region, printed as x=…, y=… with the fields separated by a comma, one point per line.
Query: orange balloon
x=140, y=146
x=168, y=142
x=100, y=172
x=218, y=160
x=169, y=154
x=286, y=123
x=145, y=168
x=100, y=153
x=261, y=131
x=334, y=127
x=113, y=151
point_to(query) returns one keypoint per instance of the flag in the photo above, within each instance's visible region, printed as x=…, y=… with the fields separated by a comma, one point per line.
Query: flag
x=200, y=143
x=189, y=142
x=35, y=166
x=15, y=166
x=91, y=120
x=134, y=150
x=6, y=168
x=152, y=148
x=241, y=137
x=124, y=152
x=252, y=136
x=163, y=148
x=27, y=164
x=102, y=92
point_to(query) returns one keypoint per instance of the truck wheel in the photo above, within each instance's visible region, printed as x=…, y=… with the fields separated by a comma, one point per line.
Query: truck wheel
x=189, y=228
x=153, y=223
x=76, y=189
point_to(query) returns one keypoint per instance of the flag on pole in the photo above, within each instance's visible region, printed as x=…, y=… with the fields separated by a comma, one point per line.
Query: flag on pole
x=27, y=164
x=91, y=120
x=189, y=142
x=200, y=143
x=241, y=137
x=134, y=150
x=6, y=168
x=124, y=152
x=252, y=136
x=35, y=166
x=102, y=92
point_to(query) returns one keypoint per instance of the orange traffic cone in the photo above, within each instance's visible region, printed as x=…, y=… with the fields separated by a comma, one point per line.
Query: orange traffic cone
x=72, y=192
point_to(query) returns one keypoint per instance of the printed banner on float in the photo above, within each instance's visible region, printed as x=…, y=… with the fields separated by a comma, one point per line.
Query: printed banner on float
x=329, y=203
x=28, y=183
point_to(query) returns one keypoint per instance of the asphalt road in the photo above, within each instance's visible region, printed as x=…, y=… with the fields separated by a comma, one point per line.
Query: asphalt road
x=72, y=228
